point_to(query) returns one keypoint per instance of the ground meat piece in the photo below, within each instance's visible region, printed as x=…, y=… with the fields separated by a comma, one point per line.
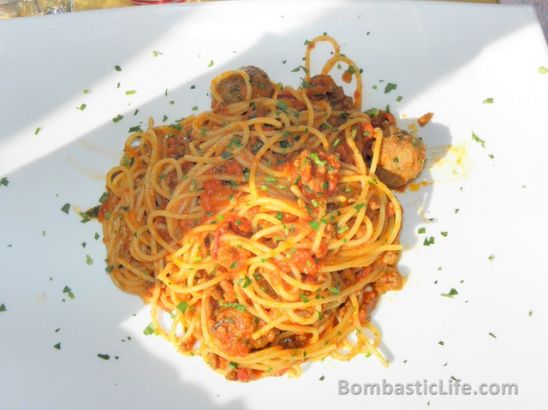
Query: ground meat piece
x=232, y=89
x=401, y=159
x=316, y=173
x=232, y=329
x=381, y=119
x=369, y=301
x=295, y=341
x=390, y=280
x=323, y=87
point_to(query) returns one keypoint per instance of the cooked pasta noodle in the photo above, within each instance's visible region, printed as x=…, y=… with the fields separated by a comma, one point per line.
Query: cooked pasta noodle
x=258, y=232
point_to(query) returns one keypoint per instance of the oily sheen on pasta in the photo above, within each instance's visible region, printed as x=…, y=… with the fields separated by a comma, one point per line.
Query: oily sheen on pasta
x=259, y=232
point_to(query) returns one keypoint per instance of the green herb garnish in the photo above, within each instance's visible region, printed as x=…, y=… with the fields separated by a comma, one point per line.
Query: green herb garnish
x=452, y=292
x=390, y=87
x=182, y=306
x=478, y=139
x=66, y=208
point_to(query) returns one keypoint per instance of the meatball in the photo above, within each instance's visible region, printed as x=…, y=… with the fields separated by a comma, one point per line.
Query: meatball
x=232, y=89
x=322, y=87
x=401, y=159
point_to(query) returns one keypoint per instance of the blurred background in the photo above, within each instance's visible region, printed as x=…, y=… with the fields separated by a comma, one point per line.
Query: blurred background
x=23, y=8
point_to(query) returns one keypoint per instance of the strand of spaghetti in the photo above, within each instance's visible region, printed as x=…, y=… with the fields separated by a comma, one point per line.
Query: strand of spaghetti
x=226, y=74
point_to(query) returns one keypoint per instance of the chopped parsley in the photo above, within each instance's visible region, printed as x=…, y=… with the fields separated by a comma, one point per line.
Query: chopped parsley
x=96, y=236
x=390, y=87
x=492, y=335
x=314, y=225
x=279, y=216
x=182, y=306
x=68, y=292
x=195, y=108
x=342, y=229
x=103, y=356
x=135, y=112
x=4, y=181
x=117, y=68
x=452, y=292
x=37, y=130
x=117, y=118
x=422, y=230
x=82, y=107
x=137, y=128
x=478, y=139
x=372, y=112
x=542, y=70
x=399, y=98
x=491, y=258
x=233, y=305
x=428, y=241
x=57, y=346
x=156, y=53
x=85, y=91
x=488, y=101
x=131, y=92
x=357, y=207
x=66, y=208
x=316, y=158
x=3, y=307
x=444, y=233
x=247, y=282
x=441, y=343
x=322, y=378
x=233, y=365
x=210, y=63
x=335, y=290
x=282, y=106
x=149, y=329
x=304, y=298
x=89, y=260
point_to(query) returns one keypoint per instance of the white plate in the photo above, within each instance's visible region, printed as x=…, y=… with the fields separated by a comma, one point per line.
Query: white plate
x=445, y=58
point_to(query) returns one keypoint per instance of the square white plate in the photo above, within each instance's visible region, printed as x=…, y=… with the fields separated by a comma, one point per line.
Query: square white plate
x=445, y=58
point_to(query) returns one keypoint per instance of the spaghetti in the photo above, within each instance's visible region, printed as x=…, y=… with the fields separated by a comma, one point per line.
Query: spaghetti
x=258, y=232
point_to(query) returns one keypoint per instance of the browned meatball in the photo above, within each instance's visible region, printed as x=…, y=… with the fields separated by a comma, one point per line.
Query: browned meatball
x=402, y=157
x=232, y=89
x=322, y=87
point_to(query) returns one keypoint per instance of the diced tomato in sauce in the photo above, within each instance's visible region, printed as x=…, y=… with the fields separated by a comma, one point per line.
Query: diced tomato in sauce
x=304, y=262
x=216, y=195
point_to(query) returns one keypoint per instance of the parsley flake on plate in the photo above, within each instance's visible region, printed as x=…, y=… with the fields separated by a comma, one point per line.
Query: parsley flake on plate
x=66, y=208
x=478, y=139
x=118, y=118
x=451, y=293
x=390, y=87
